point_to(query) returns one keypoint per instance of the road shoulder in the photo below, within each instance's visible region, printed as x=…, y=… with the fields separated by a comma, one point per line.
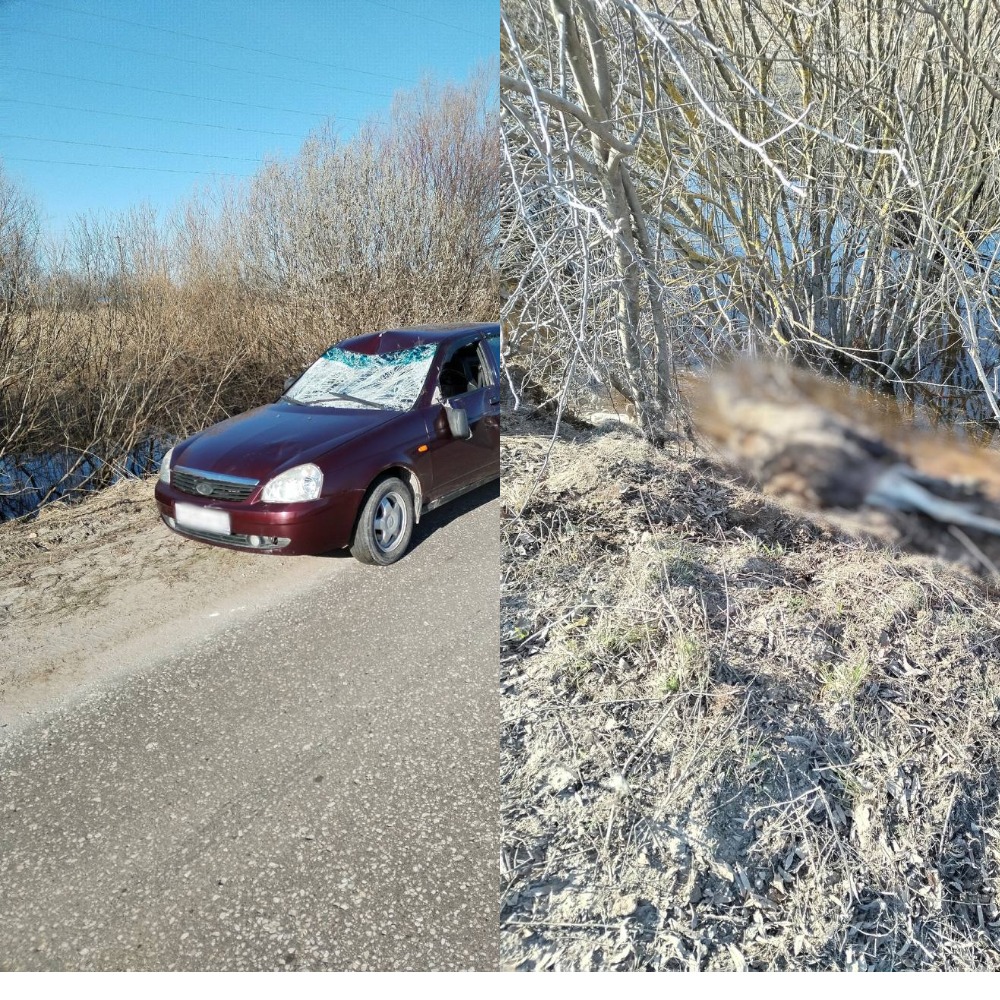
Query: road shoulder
x=91, y=590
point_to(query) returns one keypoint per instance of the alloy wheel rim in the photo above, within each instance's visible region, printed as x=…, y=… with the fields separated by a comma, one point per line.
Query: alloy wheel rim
x=390, y=522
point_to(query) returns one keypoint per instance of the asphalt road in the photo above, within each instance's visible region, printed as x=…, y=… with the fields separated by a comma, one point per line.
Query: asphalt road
x=315, y=788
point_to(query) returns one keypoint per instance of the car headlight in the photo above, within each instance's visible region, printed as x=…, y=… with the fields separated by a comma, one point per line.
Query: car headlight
x=304, y=482
x=165, y=466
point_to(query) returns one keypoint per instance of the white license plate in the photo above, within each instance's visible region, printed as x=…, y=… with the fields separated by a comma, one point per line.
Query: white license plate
x=202, y=519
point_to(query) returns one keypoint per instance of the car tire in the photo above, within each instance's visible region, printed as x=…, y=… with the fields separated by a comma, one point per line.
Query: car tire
x=385, y=525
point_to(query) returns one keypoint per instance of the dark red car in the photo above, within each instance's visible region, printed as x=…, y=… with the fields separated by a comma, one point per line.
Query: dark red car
x=379, y=430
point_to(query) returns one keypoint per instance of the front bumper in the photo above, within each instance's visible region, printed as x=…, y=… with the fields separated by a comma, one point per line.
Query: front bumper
x=282, y=529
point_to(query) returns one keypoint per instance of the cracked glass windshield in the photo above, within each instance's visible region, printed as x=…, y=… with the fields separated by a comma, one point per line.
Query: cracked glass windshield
x=353, y=380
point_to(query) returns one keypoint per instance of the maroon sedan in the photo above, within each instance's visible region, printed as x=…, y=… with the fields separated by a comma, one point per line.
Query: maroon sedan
x=381, y=429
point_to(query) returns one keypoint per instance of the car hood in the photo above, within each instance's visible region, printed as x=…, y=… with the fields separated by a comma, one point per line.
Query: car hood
x=263, y=442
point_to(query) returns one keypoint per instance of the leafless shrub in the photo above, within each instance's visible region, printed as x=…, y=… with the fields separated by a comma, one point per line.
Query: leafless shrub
x=409, y=210
x=807, y=178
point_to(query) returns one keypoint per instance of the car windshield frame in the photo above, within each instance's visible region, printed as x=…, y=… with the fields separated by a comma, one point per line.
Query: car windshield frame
x=345, y=379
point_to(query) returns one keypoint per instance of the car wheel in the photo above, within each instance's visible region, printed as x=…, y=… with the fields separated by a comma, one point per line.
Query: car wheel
x=385, y=524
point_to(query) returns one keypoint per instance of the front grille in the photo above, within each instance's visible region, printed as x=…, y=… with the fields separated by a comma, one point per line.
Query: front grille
x=215, y=486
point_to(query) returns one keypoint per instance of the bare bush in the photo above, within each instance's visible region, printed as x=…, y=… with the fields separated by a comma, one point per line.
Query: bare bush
x=20, y=336
x=809, y=178
x=409, y=209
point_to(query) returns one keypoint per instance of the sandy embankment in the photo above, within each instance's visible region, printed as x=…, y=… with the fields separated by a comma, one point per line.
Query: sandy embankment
x=91, y=590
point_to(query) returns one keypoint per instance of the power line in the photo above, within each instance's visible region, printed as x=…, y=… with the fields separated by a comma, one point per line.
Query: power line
x=216, y=41
x=118, y=166
x=196, y=62
x=131, y=149
x=174, y=93
x=147, y=118
x=434, y=20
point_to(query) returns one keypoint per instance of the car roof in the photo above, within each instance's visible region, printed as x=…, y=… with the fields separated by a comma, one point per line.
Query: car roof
x=387, y=341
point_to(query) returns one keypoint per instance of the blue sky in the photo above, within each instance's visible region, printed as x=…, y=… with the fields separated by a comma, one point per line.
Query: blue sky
x=105, y=104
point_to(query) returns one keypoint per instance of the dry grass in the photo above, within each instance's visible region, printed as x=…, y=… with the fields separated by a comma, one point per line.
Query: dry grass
x=107, y=385
x=734, y=737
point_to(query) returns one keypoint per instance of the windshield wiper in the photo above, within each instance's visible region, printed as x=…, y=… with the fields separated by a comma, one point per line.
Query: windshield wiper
x=340, y=395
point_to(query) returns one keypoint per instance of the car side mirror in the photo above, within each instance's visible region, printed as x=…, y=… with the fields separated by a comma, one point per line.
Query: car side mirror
x=458, y=422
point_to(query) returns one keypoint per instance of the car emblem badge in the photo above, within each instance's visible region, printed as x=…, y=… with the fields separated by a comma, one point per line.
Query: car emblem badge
x=205, y=489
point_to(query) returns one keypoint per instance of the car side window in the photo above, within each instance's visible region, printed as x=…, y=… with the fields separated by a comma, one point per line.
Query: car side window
x=485, y=368
x=493, y=344
x=463, y=372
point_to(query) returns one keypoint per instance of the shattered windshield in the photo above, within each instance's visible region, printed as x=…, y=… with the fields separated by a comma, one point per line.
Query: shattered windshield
x=353, y=380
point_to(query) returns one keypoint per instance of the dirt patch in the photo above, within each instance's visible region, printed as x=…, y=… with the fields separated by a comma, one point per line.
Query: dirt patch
x=735, y=737
x=86, y=589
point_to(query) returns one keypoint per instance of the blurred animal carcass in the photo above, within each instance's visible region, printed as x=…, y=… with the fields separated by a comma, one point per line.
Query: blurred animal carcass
x=825, y=445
